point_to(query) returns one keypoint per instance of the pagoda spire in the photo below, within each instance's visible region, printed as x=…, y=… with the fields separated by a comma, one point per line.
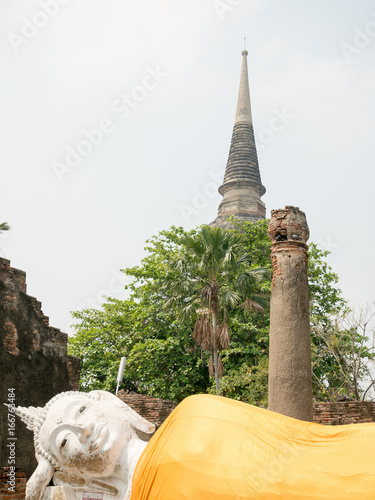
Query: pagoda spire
x=242, y=187
x=243, y=113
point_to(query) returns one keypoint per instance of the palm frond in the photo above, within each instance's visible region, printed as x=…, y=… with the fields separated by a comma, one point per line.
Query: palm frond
x=197, y=333
x=245, y=258
x=194, y=244
x=223, y=336
x=249, y=278
x=188, y=311
x=203, y=311
x=203, y=333
x=261, y=273
x=252, y=305
x=4, y=226
x=229, y=298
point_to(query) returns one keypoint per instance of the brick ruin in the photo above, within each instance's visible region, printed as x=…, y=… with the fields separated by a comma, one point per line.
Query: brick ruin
x=17, y=489
x=34, y=364
x=154, y=410
x=345, y=412
x=290, y=380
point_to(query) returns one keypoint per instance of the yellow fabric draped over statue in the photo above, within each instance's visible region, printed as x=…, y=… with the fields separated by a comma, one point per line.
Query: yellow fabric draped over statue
x=216, y=448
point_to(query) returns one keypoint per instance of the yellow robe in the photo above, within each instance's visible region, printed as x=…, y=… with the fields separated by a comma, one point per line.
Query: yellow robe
x=214, y=448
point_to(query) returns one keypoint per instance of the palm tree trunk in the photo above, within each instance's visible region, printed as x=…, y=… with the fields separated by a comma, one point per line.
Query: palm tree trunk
x=215, y=353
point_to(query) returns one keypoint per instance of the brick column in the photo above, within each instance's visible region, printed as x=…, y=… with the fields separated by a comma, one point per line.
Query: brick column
x=290, y=380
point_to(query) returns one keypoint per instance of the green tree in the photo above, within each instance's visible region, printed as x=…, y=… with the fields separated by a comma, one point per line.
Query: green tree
x=102, y=337
x=326, y=304
x=346, y=339
x=214, y=276
x=163, y=358
x=326, y=298
x=248, y=358
x=4, y=226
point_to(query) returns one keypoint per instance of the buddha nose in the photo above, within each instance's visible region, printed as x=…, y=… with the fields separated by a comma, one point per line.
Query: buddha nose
x=85, y=432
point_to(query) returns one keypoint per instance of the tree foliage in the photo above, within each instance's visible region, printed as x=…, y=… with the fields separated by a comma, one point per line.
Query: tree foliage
x=346, y=340
x=215, y=275
x=4, y=226
x=326, y=299
x=164, y=359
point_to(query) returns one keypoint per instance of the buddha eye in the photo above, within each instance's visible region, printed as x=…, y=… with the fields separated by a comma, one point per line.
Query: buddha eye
x=82, y=409
x=63, y=443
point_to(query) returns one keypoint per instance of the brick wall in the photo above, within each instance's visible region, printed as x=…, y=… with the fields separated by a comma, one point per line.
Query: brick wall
x=346, y=412
x=154, y=410
x=12, y=484
x=33, y=361
x=338, y=413
x=74, y=371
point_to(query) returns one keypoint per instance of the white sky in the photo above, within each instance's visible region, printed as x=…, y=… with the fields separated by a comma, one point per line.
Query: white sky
x=72, y=236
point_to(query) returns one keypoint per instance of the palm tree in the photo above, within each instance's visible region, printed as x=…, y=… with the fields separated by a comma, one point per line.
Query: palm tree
x=4, y=226
x=213, y=275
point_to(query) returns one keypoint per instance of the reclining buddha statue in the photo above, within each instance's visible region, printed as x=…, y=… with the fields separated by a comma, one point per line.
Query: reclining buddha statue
x=94, y=446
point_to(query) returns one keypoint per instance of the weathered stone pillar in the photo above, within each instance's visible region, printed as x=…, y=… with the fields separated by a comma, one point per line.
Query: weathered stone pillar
x=290, y=380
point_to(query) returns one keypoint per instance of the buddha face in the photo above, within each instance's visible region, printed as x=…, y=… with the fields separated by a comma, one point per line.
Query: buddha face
x=85, y=441
x=85, y=435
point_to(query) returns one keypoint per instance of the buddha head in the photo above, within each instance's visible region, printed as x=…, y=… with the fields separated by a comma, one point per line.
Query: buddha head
x=85, y=440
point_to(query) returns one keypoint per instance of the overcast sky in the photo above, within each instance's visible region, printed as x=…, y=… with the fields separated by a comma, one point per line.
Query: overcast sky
x=116, y=120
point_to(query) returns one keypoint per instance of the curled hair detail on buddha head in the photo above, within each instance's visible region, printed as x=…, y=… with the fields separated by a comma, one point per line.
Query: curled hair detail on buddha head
x=34, y=419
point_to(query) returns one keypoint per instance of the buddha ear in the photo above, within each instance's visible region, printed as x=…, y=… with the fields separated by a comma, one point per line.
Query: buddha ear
x=40, y=479
x=135, y=420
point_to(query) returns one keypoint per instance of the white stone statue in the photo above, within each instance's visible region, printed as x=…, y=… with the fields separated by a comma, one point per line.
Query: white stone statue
x=89, y=448
x=210, y=447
